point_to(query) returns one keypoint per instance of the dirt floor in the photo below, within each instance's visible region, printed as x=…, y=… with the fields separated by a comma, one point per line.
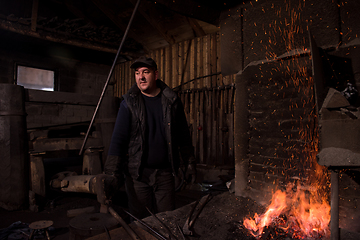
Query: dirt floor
x=221, y=217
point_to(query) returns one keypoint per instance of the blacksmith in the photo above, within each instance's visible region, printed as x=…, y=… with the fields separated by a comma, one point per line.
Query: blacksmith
x=150, y=141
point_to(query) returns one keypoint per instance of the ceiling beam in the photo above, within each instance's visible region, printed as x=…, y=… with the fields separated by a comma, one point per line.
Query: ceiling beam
x=34, y=15
x=150, y=13
x=108, y=9
x=77, y=12
x=55, y=37
x=193, y=9
x=198, y=30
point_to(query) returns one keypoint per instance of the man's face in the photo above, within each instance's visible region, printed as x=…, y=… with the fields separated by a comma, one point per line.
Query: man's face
x=146, y=80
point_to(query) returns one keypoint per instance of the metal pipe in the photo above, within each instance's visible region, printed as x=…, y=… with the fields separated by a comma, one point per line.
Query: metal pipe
x=108, y=78
x=334, y=223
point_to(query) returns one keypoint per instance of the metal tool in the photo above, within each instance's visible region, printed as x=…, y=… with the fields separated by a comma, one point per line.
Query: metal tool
x=190, y=221
x=123, y=224
x=171, y=235
x=156, y=234
x=107, y=233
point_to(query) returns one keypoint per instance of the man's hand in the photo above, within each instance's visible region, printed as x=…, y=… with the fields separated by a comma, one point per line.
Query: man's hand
x=106, y=187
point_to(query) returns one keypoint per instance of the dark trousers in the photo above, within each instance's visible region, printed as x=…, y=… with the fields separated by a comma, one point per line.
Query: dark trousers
x=155, y=190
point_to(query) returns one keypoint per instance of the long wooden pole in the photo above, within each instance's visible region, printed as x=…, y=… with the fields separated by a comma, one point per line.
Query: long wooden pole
x=108, y=78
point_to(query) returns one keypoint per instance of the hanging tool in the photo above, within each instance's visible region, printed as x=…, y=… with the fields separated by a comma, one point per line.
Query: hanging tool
x=108, y=78
x=190, y=221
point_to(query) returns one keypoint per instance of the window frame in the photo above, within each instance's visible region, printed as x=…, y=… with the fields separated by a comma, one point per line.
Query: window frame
x=36, y=67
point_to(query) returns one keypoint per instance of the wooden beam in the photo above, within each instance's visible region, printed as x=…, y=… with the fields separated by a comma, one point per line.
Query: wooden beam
x=150, y=13
x=204, y=12
x=56, y=37
x=198, y=30
x=77, y=12
x=34, y=14
x=106, y=7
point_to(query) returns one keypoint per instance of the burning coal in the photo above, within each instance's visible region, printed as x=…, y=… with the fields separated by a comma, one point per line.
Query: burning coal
x=296, y=212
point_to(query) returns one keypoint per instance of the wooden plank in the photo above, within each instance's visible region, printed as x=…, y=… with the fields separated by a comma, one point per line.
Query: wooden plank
x=213, y=60
x=162, y=63
x=221, y=133
x=192, y=65
x=225, y=128
x=218, y=57
x=207, y=126
x=198, y=30
x=201, y=124
x=201, y=61
x=168, y=66
x=174, y=63
x=212, y=125
x=60, y=97
x=207, y=61
x=34, y=15
x=187, y=63
x=231, y=125
x=196, y=122
x=57, y=144
x=37, y=175
x=56, y=37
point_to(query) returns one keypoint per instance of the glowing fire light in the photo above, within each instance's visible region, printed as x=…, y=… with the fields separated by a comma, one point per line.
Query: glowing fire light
x=306, y=216
x=302, y=209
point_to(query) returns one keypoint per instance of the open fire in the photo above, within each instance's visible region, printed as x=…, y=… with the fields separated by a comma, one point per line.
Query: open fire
x=301, y=210
x=295, y=213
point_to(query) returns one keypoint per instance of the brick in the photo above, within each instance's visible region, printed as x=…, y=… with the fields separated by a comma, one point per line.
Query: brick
x=73, y=120
x=33, y=109
x=50, y=109
x=66, y=110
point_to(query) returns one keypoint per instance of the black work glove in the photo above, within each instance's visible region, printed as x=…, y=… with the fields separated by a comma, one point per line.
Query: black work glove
x=190, y=174
x=111, y=181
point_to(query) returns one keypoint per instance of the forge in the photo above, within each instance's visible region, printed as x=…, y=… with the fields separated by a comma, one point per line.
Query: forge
x=309, y=124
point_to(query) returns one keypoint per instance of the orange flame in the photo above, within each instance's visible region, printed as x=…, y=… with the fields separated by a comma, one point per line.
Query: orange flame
x=302, y=209
x=306, y=214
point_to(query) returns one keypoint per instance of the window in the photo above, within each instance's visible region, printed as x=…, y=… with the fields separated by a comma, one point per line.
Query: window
x=35, y=78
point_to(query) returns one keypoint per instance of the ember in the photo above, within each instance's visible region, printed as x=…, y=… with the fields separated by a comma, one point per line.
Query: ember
x=293, y=213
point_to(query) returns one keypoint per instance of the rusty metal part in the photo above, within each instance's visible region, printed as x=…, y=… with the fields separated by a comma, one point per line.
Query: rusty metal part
x=171, y=235
x=127, y=228
x=79, y=183
x=156, y=234
x=109, y=76
x=190, y=221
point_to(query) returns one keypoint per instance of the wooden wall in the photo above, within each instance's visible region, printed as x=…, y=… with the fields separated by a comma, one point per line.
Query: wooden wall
x=192, y=68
